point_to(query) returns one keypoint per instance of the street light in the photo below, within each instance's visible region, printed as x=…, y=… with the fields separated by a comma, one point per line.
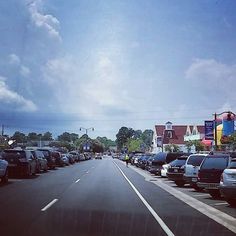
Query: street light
x=229, y=113
x=86, y=132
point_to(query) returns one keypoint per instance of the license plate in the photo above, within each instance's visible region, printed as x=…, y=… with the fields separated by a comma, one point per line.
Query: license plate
x=194, y=179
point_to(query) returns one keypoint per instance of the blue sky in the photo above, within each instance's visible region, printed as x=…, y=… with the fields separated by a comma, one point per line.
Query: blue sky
x=107, y=64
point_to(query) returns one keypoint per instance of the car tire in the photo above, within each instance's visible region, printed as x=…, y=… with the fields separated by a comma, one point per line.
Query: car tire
x=179, y=183
x=231, y=201
x=215, y=193
x=5, y=177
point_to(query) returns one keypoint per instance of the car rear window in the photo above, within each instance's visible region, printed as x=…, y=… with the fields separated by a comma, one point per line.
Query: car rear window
x=232, y=165
x=178, y=162
x=214, y=162
x=160, y=157
x=195, y=160
x=14, y=154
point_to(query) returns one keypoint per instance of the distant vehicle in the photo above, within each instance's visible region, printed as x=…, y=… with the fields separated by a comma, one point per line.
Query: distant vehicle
x=21, y=162
x=98, y=156
x=210, y=172
x=228, y=183
x=42, y=163
x=176, y=169
x=75, y=154
x=81, y=157
x=65, y=159
x=191, y=169
x=47, y=152
x=58, y=158
x=162, y=158
x=3, y=170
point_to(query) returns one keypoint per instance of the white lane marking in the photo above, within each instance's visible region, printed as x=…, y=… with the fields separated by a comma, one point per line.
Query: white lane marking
x=49, y=205
x=220, y=217
x=77, y=180
x=220, y=203
x=201, y=195
x=155, y=215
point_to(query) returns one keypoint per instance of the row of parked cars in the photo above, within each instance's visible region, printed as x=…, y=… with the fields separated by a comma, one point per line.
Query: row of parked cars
x=32, y=160
x=213, y=172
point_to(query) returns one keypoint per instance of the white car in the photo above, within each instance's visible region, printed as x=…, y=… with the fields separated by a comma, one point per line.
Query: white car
x=192, y=167
x=3, y=170
x=164, y=170
x=228, y=183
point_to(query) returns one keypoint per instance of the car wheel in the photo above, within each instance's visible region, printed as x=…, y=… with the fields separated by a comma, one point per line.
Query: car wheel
x=179, y=183
x=231, y=201
x=198, y=189
x=5, y=177
x=214, y=193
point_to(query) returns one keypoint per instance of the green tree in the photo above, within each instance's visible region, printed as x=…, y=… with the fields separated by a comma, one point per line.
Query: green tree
x=65, y=137
x=47, y=136
x=147, y=137
x=32, y=136
x=171, y=148
x=134, y=144
x=19, y=137
x=106, y=142
x=137, y=134
x=189, y=145
x=198, y=145
x=122, y=136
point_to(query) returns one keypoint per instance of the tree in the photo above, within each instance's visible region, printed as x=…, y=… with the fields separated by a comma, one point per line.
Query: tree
x=137, y=134
x=32, y=136
x=106, y=142
x=147, y=137
x=47, y=136
x=134, y=144
x=19, y=137
x=171, y=148
x=123, y=135
x=189, y=145
x=198, y=145
x=65, y=137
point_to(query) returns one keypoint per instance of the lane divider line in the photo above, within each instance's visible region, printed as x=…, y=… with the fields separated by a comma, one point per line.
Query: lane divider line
x=201, y=195
x=77, y=180
x=49, y=205
x=220, y=203
x=154, y=214
x=220, y=217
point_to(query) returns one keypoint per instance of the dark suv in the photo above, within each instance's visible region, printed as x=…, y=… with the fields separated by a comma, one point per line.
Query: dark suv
x=210, y=172
x=162, y=158
x=20, y=162
x=48, y=153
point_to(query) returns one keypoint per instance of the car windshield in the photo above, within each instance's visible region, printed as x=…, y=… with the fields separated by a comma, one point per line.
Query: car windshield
x=195, y=160
x=215, y=162
x=232, y=165
x=178, y=162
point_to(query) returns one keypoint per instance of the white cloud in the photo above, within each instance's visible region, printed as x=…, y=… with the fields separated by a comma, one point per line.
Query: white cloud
x=210, y=74
x=14, y=59
x=24, y=71
x=83, y=91
x=13, y=99
x=47, y=22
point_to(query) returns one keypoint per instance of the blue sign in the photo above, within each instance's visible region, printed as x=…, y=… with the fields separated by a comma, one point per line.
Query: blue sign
x=209, y=130
x=86, y=147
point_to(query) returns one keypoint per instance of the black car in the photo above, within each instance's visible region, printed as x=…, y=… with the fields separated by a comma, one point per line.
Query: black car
x=162, y=158
x=47, y=152
x=175, y=171
x=20, y=162
x=210, y=172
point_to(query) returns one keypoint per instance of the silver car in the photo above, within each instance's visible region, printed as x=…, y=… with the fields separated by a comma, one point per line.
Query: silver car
x=228, y=183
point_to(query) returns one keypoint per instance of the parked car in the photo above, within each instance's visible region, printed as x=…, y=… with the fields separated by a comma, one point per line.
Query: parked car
x=47, y=152
x=70, y=158
x=176, y=169
x=81, y=157
x=3, y=170
x=142, y=161
x=58, y=158
x=76, y=155
x=98, y=156
x=210, y=172
x=228, y=183
x=162, y=158
x=20, y=162
x=191, y=169
x=42, y=163
x=65, y=159
x=149, y=161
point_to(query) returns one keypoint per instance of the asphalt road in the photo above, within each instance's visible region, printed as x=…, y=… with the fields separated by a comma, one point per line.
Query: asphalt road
x=97, y=197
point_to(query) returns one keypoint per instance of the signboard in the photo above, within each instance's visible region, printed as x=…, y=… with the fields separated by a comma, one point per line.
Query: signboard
x=209, y=130
x=86, y=147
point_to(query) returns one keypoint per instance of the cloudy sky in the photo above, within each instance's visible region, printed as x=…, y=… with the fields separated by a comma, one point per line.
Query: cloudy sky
x=112, y=63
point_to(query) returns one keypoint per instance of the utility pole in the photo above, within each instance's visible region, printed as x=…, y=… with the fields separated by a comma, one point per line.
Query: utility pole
x=2, y=129
x=215, y=124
